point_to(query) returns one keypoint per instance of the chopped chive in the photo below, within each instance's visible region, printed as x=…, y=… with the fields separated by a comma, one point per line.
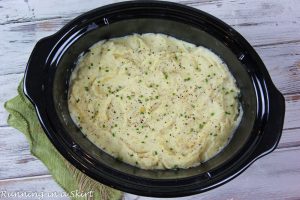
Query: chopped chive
x=165, y=75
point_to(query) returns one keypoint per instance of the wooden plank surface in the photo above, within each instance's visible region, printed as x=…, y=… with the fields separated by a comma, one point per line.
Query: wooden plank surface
x=41, y=185
x=24, y=35
x=272, y=27
x=259, y=181
x=16, y=160
x=17, y=155
x=272, y=177
x=280, y=17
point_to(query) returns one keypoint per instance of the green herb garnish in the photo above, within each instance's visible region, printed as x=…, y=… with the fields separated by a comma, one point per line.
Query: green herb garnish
x=165, y=75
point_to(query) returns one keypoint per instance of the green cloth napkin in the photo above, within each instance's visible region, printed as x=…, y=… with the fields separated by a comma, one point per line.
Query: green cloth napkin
x=22, y=116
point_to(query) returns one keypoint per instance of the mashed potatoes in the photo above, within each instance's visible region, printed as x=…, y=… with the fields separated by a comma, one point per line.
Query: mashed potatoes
x=154, y=101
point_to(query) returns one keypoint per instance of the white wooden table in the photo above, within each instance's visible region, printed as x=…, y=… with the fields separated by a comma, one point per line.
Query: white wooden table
x=272, y=27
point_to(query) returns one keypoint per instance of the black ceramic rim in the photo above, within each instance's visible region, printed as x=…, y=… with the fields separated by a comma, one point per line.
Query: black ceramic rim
x=270, y=102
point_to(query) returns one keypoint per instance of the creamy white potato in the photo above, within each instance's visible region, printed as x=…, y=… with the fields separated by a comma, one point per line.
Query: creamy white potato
x=154, y=101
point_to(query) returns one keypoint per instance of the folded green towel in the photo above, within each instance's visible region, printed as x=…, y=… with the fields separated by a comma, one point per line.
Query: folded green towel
x=22, y=116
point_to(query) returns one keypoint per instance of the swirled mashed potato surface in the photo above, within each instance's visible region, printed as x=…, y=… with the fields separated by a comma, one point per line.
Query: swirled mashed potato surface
x=154, y=101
